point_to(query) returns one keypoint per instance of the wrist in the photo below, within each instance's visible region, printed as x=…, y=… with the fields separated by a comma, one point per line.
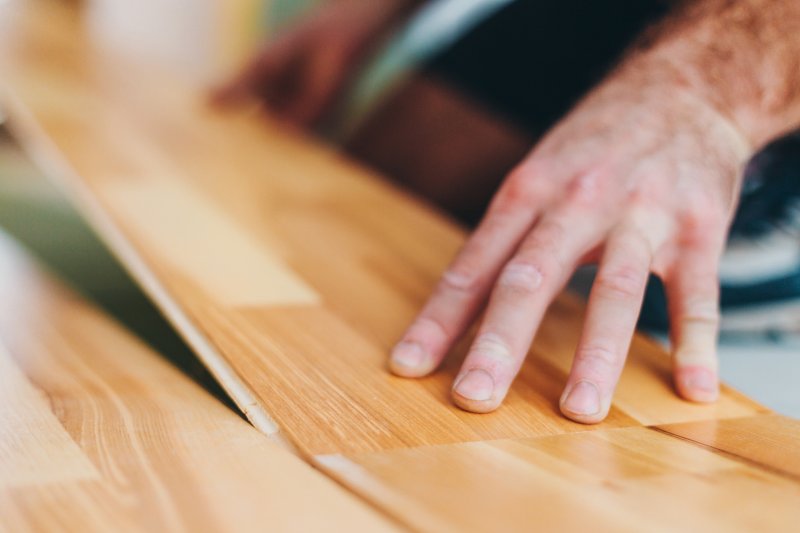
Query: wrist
x=740, y=58
x=758, y=111
x=675, y=84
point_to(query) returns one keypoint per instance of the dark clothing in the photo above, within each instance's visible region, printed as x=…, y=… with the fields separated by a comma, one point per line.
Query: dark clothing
x=533, y=59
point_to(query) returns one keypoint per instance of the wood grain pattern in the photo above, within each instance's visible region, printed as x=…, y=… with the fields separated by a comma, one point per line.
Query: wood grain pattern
x=625, y=479
x=347, y=260
x=97, y=433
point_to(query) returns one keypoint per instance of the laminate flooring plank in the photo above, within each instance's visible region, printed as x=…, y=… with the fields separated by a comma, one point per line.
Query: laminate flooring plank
x=770, y=441
x=289, y=270
x=624, y=479
x=97, y=433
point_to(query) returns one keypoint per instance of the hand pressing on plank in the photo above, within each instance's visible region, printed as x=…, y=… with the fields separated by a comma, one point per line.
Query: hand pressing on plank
x=299, y=74
x=642, y=177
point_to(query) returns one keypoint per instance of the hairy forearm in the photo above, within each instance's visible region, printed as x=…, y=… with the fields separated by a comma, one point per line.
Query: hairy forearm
x=740, y=56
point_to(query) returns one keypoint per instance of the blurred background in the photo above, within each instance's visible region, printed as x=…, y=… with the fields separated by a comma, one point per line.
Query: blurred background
x=207, y=41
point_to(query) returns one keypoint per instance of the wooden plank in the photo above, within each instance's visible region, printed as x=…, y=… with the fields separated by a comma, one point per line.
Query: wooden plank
x=289, y=270
x=44, y=451
x=626, y=479
x=770, y=442
x=97, y=433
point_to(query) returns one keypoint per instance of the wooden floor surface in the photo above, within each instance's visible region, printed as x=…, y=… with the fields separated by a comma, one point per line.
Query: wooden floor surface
x=730, y=475
x=291, y=272
x=288, y=269
x=97, y=433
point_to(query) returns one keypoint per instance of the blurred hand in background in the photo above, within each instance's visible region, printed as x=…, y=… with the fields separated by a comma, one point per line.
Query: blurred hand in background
x=300, y=73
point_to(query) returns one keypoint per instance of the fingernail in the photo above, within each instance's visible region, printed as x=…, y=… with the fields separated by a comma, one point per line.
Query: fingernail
x=408, y=354
x=699, y=384
x=476, y=385
x=703, y=381
x=583, y=399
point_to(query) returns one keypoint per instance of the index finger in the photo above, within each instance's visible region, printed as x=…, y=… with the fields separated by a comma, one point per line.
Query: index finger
x=464, y=287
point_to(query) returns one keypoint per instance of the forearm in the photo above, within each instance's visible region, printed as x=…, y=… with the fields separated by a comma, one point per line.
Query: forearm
x=742, y=57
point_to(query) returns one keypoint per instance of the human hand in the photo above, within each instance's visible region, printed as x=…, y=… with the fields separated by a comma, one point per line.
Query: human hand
x=299, y=74
x=643, y=175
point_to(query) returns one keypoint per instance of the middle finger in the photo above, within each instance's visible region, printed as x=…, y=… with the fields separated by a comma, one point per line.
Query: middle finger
x=524, y=289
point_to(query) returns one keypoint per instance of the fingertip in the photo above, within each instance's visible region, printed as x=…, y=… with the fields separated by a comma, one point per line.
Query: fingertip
x=588, y=420
x=697, y=384
x=473, y=406
x=410, y=360
x=582, y=402
x=474, y=391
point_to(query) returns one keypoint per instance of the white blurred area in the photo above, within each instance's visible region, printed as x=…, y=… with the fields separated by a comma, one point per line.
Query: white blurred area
x=201, y=39
x=149, y=27
x=206, y=39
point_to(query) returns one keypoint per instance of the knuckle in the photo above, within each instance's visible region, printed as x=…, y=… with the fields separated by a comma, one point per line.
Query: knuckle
x=521, y=277
x=632, y=241
x=702, y=312
x=585, y=189
x=521, y=189
x=622, y=282
x=703, y=222
x=539, y=259
x=460, y=280
x=548, y=235
x=696, y=357
x=492, y=347
x=703, y=214
x=599, y=358
x=699, y=323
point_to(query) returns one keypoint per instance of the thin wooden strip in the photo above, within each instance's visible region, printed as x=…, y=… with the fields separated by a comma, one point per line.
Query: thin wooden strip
x=48, y=157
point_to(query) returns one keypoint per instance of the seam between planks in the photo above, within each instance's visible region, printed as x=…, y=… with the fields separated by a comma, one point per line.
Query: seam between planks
x=758, y=465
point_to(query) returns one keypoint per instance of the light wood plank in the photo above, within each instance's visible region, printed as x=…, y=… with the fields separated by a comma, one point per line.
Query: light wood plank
x=116, y=132
x=771, y=442
x=170, y=227
x=627, y=479
x=97, y=433
x=44, y=452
